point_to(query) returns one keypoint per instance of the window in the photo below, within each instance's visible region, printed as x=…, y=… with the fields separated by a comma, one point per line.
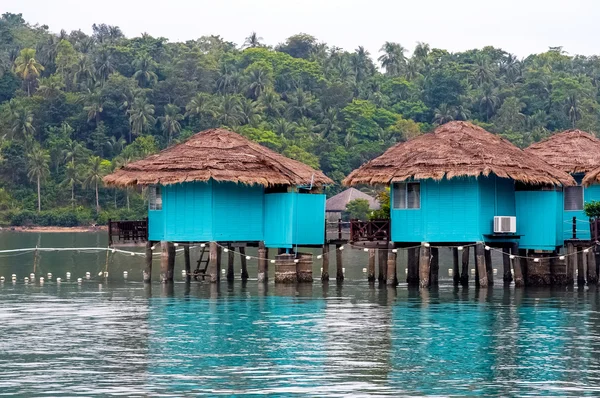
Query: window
x=407, y=195
x=574, y=198
x=155, y=197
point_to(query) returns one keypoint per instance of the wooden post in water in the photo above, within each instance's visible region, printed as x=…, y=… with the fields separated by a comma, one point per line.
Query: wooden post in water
x=219, y=257
x=147, y=273
x=244, y=262
x=285, y=269
x=580, y=268
x=424, y=264
x=464, y=275
x=382, y=260
x=164, y=261
x=435, y=266
x=412, y=266
x=391, y=279
x=516, y=263
x=592, y=277
x=325, y=263
x=339, y=273
x=186, y=257
x=172, y=254
x=507, y=273
x=304, y=268
x=480, y=264
x=213, y=268
x=571, y=263
x=455, y=267
x=371, y=268
x=487, y=255
x=263, y=270
x=230, y=261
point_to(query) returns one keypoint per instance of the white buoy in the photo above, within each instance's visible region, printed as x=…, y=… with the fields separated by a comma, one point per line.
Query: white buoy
x=487, y=248
x=248, y=257
x=26, y=280
x=512, y=256
x=365, y=249
x=202, y=245
x=226, y=250
x=1, y=279
x=106, y=274
x=364, y=270
x=87, y=275
x=176, y=244
x=460, y=248
x=41, y=279
x=406, y=270
x=183, y=272
x=100, y=273
x=296, y=261
x=272, y=261
x=320, y=256
x=341, y=248
x=394, y=250
x=536, y=260
x=343, y=270
x=222, y=270
x=68, y=275
x=495, y=271
x=561, y=258
x=32, y=276
x=321, y=269
x=153, y=247
x=132, y=253
x=49, y=275
x=450, y=272
x=58, y=280
x=79, y=280
x=472, y=271
x=586, y=250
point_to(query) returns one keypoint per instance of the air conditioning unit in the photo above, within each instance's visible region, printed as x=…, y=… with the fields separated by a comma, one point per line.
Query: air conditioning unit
x=505, y=224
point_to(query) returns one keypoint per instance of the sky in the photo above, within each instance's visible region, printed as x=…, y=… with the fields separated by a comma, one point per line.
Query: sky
x=521, y=27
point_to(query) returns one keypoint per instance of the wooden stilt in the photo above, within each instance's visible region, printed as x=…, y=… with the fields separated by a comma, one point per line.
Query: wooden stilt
x=412, y=265
x=464, y=275
x=571, y=263
x=455, y=267
x=230, y=261
x=172, y=254
x=164, y=261
x=480, y=264
x=325, y=263
x=186, y=257
x=424, y=265
x=487, y=255
x=592, y=277
x=507, y=273
x=148, y=268
x=244, y=263
x=219, y=257
x=383, y=259
x=263, y=269
x=371, y=268
x=580, y=268
x=339, y=274
x=435, y=266
x=516, y=263
x=213, y=268
x=391, y=279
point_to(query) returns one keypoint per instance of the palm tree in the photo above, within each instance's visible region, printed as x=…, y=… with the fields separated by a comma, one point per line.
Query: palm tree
x=94, y=175
x=50, y=87
x=229, y=111
x=73, y=151
x=283, y=127
x=93, y=106
x=393, y=58
x=443, y=114
x=84, y=70
x=72, y=178
x=22, y=123
x=259, y=79
x=421, y=51
x=141, y=117
x=489, y=100
x=250, y=111
x=170, y=122
x=202, y=104
x=105, y=64
x=572, y=108
x=271, y=103
x=253, y=41
x=115, y=146
x=38, y=169
x=329, y=125
x=300, y=104
x=483, y=70
x=27, y=67
x=145, y=67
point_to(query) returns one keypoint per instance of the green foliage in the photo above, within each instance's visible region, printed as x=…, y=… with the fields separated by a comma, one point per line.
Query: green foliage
x=592, y=209
x=384, y=202
x=358, y=209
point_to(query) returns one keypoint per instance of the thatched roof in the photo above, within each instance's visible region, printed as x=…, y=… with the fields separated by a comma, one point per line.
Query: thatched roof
x=339, y=201
x=220, y=155
x=457, y=149
x=573, y=151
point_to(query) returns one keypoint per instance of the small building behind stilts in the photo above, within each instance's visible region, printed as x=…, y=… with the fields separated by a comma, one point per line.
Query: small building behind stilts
x=226, y=191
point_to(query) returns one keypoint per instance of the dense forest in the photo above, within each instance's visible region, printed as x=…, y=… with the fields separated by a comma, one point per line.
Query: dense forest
x=74, y=106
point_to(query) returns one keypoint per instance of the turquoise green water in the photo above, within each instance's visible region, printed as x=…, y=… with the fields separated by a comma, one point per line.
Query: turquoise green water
x=117, y=336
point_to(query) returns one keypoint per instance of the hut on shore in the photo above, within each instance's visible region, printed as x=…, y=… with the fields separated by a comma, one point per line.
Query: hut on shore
x=336, y=205
x=577, y=153
x=221, y=187
x=448, y=186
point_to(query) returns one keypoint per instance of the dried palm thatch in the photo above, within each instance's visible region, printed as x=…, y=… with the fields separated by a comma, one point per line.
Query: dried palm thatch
x=572, y=151
x=457, y=149
x=220, y=155
x=338, y=202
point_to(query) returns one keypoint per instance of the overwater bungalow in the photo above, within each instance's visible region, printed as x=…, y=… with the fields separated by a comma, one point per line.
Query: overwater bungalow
x=457, y=187
x=336, y=205
x=222, y=188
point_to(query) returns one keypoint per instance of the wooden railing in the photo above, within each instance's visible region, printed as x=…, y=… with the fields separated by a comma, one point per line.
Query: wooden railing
x=374, y=230
x=127, y=231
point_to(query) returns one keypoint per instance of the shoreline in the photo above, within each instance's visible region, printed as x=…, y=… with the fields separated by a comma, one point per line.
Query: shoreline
x=39, y=229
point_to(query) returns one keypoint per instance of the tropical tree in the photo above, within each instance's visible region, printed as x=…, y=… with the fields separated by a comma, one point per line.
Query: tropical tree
x=393, y=58
x=259, y=79
x=253, y=41
x=170, y=122
x=443, y=114
x=141, y=117
x=22, y=123
x=71, y=179
x=229, y=111
x=38, y=169
x=144, y=74
x=27, y=67
x=573, y=109
x=200, y=106
x=93, y=176
x=94, y=106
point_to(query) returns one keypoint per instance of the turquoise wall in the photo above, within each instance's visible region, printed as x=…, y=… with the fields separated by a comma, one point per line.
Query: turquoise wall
x=583, y=227
x=457, y=210
x=539, y=218
x=213, y=211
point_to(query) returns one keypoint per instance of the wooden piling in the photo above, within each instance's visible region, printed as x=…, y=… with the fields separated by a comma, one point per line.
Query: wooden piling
x=219, y=258
x=487, y=255
x=172, y=254
x=262, y=263
x=480, y=264
x=339, y=274
x=186, y=257
x=507, y=273
x=412, y=266
x=516, y=263
x=455, y=267
x=285, y=269
x=244, y=263
x=304, y=268
x=391, y=279
x=147, y=273
x=371, y=267
x=435, y=266
x=230, y=261
x=164, y=261
x=382, y=261
x=325, y=263
x=424, y=265
x=580, y=268
x=571, y=263
x=213, y=268
x=464, y=275
x=592, y=277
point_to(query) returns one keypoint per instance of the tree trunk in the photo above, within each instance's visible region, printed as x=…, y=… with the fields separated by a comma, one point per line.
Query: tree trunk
x=39, y=196
x=97, y=202
x=127, y=192
x=73, y=195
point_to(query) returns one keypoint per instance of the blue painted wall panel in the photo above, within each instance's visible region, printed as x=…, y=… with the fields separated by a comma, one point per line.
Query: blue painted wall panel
x=497, y=198
x=237, y=212
x=583, y=227
x=279, y=218
x=187, y=210
x=536, y=220
x=310, y=219
x=156, y=225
